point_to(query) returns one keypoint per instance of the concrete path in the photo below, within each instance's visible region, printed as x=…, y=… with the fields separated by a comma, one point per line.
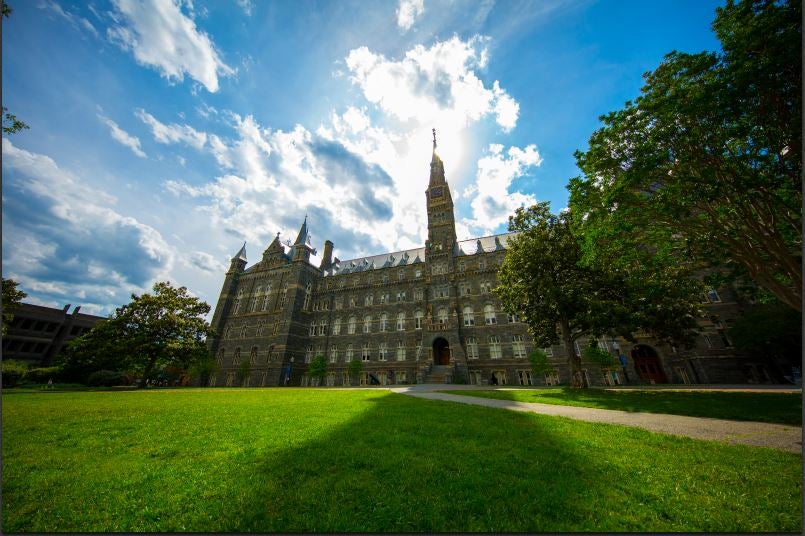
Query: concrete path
x=756, y=434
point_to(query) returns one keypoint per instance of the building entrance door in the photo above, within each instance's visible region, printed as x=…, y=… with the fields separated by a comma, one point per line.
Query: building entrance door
x=441, y=352
x=647, y=364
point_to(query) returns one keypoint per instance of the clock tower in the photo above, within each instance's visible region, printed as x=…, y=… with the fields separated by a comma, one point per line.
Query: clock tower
x=441, y=221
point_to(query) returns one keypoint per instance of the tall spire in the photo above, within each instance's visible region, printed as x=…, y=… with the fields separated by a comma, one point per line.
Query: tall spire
x=436, y=165
x=302, y=237
x=434, y=140
x=241, y=255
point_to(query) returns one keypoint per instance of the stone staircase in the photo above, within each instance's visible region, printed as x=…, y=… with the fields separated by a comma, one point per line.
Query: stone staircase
x=439, y=374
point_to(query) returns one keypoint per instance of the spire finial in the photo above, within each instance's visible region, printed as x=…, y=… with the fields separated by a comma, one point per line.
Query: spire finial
x=434, y=139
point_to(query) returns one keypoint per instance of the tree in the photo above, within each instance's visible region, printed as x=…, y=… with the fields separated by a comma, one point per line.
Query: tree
x=318, y=367
x=539, y=363
x=203, y=369
x=12, y=297
x=11, y=125
x=705, y=164
x=165, y=328
x=543, y=279
x=244, y=370
x=773, y=331
x=354, y=368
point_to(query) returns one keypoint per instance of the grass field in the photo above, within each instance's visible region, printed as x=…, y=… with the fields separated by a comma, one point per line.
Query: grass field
x=268, y=460
x=782, y=408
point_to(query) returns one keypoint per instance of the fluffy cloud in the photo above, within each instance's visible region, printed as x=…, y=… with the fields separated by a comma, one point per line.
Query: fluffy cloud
x=161, y=36
x=172, y=133
x=123, y=137
x=437, y=84
x=493, y=202
x=408, y=11
x=62, y=239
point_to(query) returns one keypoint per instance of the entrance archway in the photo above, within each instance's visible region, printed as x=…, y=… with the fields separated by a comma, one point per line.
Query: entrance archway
x=647, y=364
x=441, y=352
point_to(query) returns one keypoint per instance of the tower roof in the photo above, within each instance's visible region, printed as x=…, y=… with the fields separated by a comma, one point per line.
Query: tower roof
x=241, y=255
x=436, y=165
x=303, y=236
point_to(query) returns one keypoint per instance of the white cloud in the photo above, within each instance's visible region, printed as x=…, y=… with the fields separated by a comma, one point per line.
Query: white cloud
x=172, y=133
x=493, y=202
x=437, y=84
x=61, y=238
x=161, y=36
x=246, y=6
x=75, y=21
x=123, y=137
x=408, y=11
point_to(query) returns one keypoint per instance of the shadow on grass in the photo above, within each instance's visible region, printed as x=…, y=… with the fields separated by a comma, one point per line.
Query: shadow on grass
x=782, y=408
x=295, y=461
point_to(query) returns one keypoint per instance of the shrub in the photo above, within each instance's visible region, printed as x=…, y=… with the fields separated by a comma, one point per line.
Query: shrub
x=43, y=374
x=106, y=378
x=13, y=372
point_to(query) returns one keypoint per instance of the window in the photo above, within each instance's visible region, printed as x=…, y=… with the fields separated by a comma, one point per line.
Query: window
x=339, y=303
x=337, y=326
x=261, y=324
x=384, y=297
x=418, y=350
x=384, y=322
x=400, y=321
x=236, y=356
x=498, y=377
x=309, y=354
x=418, y=320
x=365, y=352
x=401, y=296
x=419, y=294
x=243, y=329
x=494, y=347
x=518, y=347
x=442, y=315
x=323, y=327
x=385, y=278
x=462, y=266
x=418, y=273
x=400, y=351
x=512, y=318
x=383, y=351
x=228, y=332
x=712, y=296
x=334, y=354
x=284, y=297
x=313, y=328
x=475, y=377
x=364, y=377
x=264, y=306
x=253, y=356
x=551, y=378
x=472, y=348
x=469, y=316
x=401, y=376
x=441, y=292
x=602, y=344
x=368, y=299
x=400, y=275
x=482, y=264
x=486, y=287
x=277, y=326
x=351, y=325
x=367, y=324
x=352, y=301
x=548, y=351
x=577, y=347
x=489, y=315
x=465, y=289
x=524, y=376
x=221, y=356
x=349, y=355
x=230, y=379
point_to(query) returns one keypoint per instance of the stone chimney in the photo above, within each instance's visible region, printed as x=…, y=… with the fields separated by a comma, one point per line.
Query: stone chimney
x=327, y=258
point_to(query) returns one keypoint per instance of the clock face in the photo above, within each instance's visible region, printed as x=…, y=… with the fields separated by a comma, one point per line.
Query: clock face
x=436, y=192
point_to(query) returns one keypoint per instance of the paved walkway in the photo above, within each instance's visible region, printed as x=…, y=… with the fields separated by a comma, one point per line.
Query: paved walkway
x=756, y=434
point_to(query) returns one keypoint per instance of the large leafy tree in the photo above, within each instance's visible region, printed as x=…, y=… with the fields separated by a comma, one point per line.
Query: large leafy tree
x=166, y=328
x=705, y=164
x=11, y=125
x=561, y=299
x=12, y=297
x=318, y=367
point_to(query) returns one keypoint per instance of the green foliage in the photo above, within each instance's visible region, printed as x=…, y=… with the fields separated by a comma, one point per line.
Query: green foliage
x=245, y=369
x=13, y=372
x=602, y=358
x=539, y=362
x=704, y=168
x=318, y=367
x=152, y=332
x=11, y=299
x=203, y=368
x=203, y=461
x=771, y=330
x=354, y=368
x=42, y=374
x=106, y=378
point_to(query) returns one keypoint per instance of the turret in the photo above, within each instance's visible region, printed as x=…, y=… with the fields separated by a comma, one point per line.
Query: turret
x=238, y=262
x=326, y=260
x=301, y=250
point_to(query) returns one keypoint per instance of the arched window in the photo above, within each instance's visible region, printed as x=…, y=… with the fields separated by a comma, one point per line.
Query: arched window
x=236, y=356
x=494, y=347
x=351, y=325
x=384, y=322
x=337, y=326
x=442, y=315
x=469, y=316
x=400, y=321
x=367, y=324
x=253, y=356
x=489, y=314
x=221, y=356
x=308, y=290
x=418, y=320
x=349, y=355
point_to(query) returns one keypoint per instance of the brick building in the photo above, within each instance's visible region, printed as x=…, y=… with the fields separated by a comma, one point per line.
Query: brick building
x=421, y=315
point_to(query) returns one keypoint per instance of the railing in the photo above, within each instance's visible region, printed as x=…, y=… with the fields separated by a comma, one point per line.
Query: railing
x=439, y=326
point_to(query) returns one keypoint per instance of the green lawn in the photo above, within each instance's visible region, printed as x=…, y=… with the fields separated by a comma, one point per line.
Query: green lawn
x=782, y=408
x=268, y=460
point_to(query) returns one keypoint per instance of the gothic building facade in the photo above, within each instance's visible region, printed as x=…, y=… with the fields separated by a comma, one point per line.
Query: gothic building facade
x=421, y=315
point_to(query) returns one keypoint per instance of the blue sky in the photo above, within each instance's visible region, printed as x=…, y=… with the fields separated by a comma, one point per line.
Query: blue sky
x=164, y=134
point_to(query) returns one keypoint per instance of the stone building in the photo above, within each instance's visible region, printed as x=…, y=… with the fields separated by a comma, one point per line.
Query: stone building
x=38, y=333
x=421, y=315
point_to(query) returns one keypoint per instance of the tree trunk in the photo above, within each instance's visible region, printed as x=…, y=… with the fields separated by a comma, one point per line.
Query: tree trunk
x=148, y=368
x=576, y=377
